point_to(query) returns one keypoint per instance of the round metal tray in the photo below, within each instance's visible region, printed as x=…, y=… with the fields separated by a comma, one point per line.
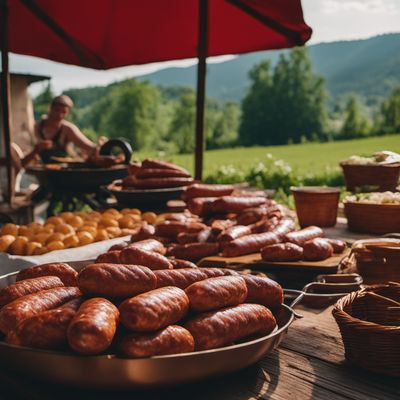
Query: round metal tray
x=110, y=371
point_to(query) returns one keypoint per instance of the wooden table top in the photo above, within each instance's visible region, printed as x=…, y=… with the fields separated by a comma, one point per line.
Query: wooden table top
x=309, y=364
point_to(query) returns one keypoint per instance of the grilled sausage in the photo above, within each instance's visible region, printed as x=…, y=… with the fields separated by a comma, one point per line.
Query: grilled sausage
x=111, y=257
x=173, y=228
x=303, y=235
x=234, y=232
x=150, y=245
x=284, y=226
x=248, y=244
x=317, y=249
x=65, y=272
x=194, y=251
x=184, y=277
x=173, y=339
x=93, y=327
x=262, y=290
x=28, y=286
x=161, y=173
x=154, y=310
x=28, y=306
x=179, y=264
x=118, y=246
x=155, y=183
x=233, y=204
x=46, y=330
x=146, y=231
x=204, y=190
x=220, y=225
x=201, y=205
x=282, y=252
x=338, y=246
x=219, y=328
x=158, y=164
x=214, y=293
x=251, y=215
x=150, y=259
x=115, y=280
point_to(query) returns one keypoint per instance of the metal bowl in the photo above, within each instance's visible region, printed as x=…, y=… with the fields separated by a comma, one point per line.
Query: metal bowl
x=110, y=371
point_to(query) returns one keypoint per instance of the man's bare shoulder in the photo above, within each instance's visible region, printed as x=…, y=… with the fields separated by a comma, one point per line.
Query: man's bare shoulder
x=70, y=127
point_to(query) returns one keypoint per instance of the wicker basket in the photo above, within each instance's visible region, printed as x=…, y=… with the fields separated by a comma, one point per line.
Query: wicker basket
x=372, y=218
x=316, y=205
x=369, y=322
x=381, y=177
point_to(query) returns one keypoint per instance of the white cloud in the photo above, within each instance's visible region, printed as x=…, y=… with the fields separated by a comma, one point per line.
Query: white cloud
x=371, y=6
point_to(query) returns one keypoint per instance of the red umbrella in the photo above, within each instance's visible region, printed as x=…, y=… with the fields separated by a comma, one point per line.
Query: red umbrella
x=105, y=34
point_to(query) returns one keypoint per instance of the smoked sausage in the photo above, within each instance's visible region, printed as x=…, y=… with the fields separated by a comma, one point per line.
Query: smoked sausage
x=173, y=339
x=138, y=256
x=219, y=328
x=155, y=309
x=303, y=235
x=194, y=251
x=282, y=252
x=64, y=271
x=115, y=280
x=234, y=232
x=214, y=293
x=317, y=249
x=93, y=327
x=205, y=190
x=262, y=290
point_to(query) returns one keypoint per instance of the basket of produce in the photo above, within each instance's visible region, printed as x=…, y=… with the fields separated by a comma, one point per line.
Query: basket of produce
x=380, y=171
x=369, y=322
x=373, y=212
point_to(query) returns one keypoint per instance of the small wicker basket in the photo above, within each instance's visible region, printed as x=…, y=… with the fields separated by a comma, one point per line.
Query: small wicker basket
x=382, y=177
x=369, y=322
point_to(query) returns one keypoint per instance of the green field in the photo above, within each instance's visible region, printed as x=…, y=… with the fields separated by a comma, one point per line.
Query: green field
x=307, y=157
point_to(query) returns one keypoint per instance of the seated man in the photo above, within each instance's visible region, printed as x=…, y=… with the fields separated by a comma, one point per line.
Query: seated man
x=54, y=134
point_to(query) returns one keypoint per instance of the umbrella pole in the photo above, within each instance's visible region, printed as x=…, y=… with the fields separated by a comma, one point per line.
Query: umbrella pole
x=6, y=99
x=201, y=87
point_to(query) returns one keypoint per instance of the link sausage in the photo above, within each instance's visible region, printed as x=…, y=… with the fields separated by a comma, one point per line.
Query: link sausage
x=184, y=277
x=234, y=232
x=264, y=291
x=111, y=257
x=179, y=264
x=173, y=228
x=249, y=244
x=173, y=339
x=214, y=293
x=158, y=164
x=47, y=330
x=317, y=249
x=194, y=251
x=154, y=310
x=155, y=183
x=64, y=271
x=338, y=246
x=146, y=231
x=201, y=205
x=233, y=204
x=204, y=190
x=138, y=256
x=219, y=328
x=150, y=245
x=303, y=235
x=93, y=327
x=25, y=307
x=28, y=286
x=282, y=252
x=161, y=173
x=115, y=280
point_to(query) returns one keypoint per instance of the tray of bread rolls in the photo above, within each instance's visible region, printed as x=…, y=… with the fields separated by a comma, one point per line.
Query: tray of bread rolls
x=105, y=325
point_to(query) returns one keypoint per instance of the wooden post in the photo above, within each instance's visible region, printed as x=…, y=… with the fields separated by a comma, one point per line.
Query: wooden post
x=201, y=86
x=6, y=98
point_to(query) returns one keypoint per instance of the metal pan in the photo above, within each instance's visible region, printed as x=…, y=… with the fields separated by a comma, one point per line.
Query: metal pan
x=110, y=371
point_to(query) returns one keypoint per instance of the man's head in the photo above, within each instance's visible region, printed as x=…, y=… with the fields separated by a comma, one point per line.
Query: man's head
x=60, y=106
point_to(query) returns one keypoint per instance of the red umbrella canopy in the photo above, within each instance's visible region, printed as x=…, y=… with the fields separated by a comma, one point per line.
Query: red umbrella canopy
x=105, y=34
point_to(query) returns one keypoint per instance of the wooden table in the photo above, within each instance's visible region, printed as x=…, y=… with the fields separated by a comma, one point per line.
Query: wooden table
x=309, y=364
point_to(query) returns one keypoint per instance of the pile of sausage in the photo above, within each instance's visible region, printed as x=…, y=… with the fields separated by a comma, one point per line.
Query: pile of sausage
x=222, y=220
x=135, y=311
x=156, y=174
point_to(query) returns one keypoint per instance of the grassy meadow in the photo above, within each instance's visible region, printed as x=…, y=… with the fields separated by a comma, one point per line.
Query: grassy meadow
x=308, y=157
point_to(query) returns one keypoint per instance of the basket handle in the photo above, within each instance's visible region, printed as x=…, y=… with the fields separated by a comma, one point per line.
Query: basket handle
x=300, y=294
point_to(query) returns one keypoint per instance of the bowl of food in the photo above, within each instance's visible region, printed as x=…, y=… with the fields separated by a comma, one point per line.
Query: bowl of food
x=380, y=171
x=377, y=213
x=316, y=205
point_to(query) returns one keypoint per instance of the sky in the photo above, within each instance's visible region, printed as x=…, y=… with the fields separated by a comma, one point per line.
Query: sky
x=331, y=20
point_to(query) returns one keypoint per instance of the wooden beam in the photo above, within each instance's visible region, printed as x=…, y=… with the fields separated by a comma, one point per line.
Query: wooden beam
x=201, y=86
x=6, y=99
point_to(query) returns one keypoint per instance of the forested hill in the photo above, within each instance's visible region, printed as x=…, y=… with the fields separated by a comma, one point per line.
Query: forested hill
x=369, y=67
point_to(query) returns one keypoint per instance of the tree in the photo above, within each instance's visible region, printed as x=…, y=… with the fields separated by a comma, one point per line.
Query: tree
x=42, y=101
x=285, y=105
x=355, y=123
x=390, y=113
